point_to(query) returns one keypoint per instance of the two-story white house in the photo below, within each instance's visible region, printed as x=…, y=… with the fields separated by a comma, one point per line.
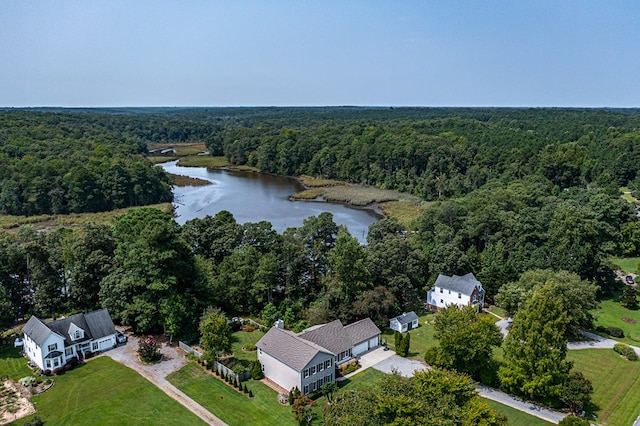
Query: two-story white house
x=308, y=360
x=456, y=290
x=51, y=345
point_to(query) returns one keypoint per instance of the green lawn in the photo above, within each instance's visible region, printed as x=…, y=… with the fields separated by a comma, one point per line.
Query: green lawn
x=107, y=393
x=12, y=363
x=628, y=265
x=421, y=337
x=616, y=384
x=228, y=404
x=241, y=338
x=516, y=417
x=610, y=314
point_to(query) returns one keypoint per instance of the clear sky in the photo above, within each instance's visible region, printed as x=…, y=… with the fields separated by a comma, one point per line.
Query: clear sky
x=322, y=52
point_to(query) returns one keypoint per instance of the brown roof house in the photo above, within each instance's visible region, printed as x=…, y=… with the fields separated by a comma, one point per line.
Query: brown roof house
x=308, y=360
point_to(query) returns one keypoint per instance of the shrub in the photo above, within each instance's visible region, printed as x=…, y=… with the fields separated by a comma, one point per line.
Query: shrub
x=615, y=332
x=573, y=421
x=601, y=329
x=47, y=372
x=250, y=394
x=256, y=371
x=88, y=354
x=73, y=361
x=35, y=421
x=250, y=347
x=149, y=349
x=59, y=371
x=249, y=328
x=626, y=351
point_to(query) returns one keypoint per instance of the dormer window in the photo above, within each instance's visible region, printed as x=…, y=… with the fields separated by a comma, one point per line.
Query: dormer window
x=77, y=335
x=75, y=332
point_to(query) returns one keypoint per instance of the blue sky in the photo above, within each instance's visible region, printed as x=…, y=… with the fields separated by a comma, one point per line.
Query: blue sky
x=303, y=52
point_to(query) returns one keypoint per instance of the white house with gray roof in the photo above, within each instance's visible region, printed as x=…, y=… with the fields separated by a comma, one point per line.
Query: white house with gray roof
x=456, y=290
x=51, y=345
x=405, y=322
x=308, y=360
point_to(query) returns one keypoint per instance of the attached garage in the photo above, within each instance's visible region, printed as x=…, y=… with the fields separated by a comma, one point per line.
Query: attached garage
x=360, y=348
x=374, y=342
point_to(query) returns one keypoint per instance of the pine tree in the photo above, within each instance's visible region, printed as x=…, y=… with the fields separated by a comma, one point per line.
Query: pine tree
x=629, y=298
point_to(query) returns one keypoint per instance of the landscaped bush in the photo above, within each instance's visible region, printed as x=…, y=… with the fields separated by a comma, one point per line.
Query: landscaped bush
x=626, y=351
x=149, y=349
x=349, y=367
x=249, y=328
x=256, y=371
x=47, y=372
x=615, y=332
x=573, y=421
x=59, y=371
x=601, y=329
x=250, y=347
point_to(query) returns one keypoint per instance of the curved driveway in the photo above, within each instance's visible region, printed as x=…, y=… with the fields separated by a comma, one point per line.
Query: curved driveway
x=156, y=373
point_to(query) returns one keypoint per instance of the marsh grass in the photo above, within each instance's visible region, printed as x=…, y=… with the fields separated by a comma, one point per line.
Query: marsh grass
x=180, y=180
x=71, y=220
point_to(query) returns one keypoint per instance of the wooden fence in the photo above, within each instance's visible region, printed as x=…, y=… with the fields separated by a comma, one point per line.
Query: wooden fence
x=218, y=366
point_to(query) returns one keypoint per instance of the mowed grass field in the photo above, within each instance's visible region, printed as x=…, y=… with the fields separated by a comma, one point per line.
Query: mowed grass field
x=12, y=363
x=610, y=314
x=516, y=417
x=227, y=403
x=616, y=384
x=103, y=392
x=628, y=265
x=241, y=338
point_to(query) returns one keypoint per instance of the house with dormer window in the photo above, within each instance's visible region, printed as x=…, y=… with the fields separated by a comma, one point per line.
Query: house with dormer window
x=456, y=290
x=51, y=345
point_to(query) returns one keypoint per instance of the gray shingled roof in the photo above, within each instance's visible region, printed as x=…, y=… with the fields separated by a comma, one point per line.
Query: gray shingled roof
x=362, y=330
x=330, y=336
x=406, y=318
x=36, y=330
x=288, y=348
x=95, y=324
x=464, y=285
x=100, y=323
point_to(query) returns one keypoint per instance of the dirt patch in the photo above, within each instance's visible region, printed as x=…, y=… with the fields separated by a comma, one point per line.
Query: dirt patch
x=629, y=320
x=13, y=404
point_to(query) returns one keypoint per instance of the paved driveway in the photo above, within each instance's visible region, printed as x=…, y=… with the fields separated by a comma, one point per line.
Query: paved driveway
x=404, y=366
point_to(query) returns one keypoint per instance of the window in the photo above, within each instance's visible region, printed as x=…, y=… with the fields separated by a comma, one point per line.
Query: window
x=260, y=351
x=327, y=363
x=449, y=291
x=52, y=347
x=68, y=351
x=328, y=378
x=94, y=346
x=78, y=334
x=459, y=295
x=56, y=362
x=312, y=370
x=313, y=386
x=306, y=373
x=441, y=290
x=441, y=301
x=306, y=389
x=48, y=363
x=321, y=366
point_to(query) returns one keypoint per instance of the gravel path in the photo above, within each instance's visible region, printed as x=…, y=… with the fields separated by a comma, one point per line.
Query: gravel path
x=156, y=373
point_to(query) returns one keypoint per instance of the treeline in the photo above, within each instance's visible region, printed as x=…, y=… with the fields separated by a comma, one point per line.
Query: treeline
x=72, y=163
x=440, y=155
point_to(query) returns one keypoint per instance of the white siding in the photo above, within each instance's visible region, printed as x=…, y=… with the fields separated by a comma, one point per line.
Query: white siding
x=443, y=297
x=282, y=374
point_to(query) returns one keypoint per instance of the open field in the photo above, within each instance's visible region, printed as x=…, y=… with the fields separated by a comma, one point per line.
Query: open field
x=616, y=384
x=70, y=220
x=107, y=393
x=227, y=403
x=182, y=149
x=405, y=211
x=12, y=363
x=203, y=161
x=627, y=265
x=626, y=194
x=610, y=314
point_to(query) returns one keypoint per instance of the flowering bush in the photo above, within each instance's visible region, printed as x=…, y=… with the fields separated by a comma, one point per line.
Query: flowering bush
x=149, y=349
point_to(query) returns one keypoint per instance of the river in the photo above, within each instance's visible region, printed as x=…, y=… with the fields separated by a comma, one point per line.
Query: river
x=253, y=197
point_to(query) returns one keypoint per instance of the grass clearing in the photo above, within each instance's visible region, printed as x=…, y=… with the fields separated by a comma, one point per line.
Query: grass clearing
x=241, y=338
x=228, y=404
x=628, y=265
x=158, y=159
x=314, y=182
x=421, y=337
x=626, y=195
x=616, y=384
x=309, y=194
x=203, y=161
x=12, y=363
x=180, y=180
x=610, y=314
x=72, y=220
x=516, y=417
x=107, y=393
x=406, y=211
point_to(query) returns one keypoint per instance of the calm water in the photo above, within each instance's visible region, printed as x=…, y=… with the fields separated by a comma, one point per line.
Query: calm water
x=252, y=197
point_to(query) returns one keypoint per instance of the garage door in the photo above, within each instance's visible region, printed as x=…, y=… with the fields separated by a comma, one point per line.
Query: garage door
x=361, y=348
x=374, y=342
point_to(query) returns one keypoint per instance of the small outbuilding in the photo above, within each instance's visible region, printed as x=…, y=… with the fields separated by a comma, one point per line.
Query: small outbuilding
x=405, y=322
